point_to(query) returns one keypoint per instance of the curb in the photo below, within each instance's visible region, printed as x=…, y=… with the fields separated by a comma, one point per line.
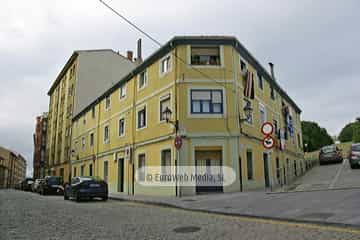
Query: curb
x=317, y=190
x=259, y=217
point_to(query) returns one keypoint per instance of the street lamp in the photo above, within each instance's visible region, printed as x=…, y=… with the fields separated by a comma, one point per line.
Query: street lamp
x=247, y=111
x=167, y=116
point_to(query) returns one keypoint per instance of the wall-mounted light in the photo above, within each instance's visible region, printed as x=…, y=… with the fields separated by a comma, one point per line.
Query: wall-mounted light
x=167, y=116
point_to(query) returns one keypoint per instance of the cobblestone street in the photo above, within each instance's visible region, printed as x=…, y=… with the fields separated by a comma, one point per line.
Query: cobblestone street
x=26, y=215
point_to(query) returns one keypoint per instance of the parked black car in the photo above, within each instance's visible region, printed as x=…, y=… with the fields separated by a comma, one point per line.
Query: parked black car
x=330, y=154
x=26, y=184
x=51, y=185
x=86, y=188
x=354, y=155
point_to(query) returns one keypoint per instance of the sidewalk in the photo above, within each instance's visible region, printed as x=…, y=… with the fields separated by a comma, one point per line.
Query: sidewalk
x=340, y=207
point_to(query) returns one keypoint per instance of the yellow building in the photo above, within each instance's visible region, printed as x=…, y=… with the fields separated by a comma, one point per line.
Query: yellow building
x=84, y=77
x=201, y=80
x=12, y=168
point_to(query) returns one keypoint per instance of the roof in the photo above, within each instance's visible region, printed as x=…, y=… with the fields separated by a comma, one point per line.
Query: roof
x=71, y=60
x=185, y=40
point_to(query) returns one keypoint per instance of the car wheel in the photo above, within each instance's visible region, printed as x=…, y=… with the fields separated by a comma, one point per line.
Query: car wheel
x=65, y=196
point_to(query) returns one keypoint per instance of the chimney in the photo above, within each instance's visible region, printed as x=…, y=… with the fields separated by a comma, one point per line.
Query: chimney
x=139, y=57
x=130, y=55
x=272, y=70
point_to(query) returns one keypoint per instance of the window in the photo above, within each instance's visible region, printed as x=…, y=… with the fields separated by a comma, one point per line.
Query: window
x=106, y=134
x=299, y=140
x=295, y=168
x=74, y=171
x=121, y=127
x=166, y=161
x=262, y=114
x=90, y=169
x=106, y=171
x=278, y=171
x=91, y=139
x=83, y=142
x=242, y=65
x=249, y=163
x=93, y=112
x=142, y=79
x=84, y=120
x=272, y=92
x=107, y=102
x=164, y=103
x=207, y=101
x=141, y=121
x=276, y=130
x=165, y=65
x=123, y=91
x=82, y=170
x=260, y=81
x=205, y=55
x=141, y=167
x=249, y=119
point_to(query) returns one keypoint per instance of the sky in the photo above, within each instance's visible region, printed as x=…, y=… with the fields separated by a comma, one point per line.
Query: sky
x=313, y=44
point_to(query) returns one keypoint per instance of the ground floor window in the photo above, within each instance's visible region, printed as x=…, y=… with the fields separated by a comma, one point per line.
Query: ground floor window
x=90, y=170
x=74, y=172
x=166, y=161
x=82, y=170
x=106, y=171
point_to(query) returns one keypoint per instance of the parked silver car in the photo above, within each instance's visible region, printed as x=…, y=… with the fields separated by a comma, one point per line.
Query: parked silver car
x=354, y=155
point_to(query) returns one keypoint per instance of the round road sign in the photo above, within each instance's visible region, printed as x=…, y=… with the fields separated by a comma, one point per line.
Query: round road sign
x=267, y=128
x=268, y=142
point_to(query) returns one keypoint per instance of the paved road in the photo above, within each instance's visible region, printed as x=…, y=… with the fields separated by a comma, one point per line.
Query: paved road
x=30, y=216
x=333, y=176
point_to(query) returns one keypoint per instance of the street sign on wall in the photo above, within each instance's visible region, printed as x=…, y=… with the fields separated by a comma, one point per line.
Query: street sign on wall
x=267, y=128
x=268, y=142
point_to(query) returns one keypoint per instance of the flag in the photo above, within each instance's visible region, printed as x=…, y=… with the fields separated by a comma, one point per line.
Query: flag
x=249, y=86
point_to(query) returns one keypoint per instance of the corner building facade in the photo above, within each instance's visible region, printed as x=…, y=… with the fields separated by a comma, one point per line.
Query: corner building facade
x=201, y=80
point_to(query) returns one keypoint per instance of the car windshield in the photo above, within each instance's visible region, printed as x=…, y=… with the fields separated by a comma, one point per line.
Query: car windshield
x=328, y=149
x=54, y=180
x=356, y=147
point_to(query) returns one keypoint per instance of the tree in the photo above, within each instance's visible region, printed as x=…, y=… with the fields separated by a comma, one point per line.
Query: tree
x=314, y=136
x=349, y=132
x=356, y=134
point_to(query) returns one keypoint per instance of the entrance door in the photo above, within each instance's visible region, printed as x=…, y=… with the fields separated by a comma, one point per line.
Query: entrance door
x=266, y=169
x=205, y=166
x=121, y=175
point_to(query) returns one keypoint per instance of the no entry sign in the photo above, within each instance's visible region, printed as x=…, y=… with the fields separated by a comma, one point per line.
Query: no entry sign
x=267, y=128
x=178, y=142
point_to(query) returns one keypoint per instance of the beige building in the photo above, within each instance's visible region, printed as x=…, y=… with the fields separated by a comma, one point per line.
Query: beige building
x=85, y=76
x=12, y=168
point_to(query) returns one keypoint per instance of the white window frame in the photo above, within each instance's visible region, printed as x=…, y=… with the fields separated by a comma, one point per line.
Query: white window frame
x=93, y=143
x=258, y=81
x=221, y=52
x=106, y=141
x=107, y=108
x=122, y=89
x=145, y=72
x=123, y=134
x=161, y=73
x=161, y=160
x=263, y=108
x=138, y=109
x=204, y=115
x=162, y=98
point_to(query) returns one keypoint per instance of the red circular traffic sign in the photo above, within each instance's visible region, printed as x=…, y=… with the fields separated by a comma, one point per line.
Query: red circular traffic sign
x=178, y=142
x=268, y=142
x=267, y=128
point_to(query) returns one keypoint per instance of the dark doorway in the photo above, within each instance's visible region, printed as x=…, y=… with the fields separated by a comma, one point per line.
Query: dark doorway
x=266, y=169
x=205, y=163
x=121, y=175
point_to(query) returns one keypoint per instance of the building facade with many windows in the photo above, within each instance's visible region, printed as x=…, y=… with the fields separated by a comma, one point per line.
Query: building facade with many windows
x=196, y=88
x=12, y=168
x=84, y=77
x=40, y=146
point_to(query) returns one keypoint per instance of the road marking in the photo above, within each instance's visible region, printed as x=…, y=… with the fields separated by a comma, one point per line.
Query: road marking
x=332, y=185
x=262, y=220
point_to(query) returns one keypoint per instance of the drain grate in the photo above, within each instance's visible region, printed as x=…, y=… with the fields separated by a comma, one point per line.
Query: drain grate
x=186, y=229
x=317, y=215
